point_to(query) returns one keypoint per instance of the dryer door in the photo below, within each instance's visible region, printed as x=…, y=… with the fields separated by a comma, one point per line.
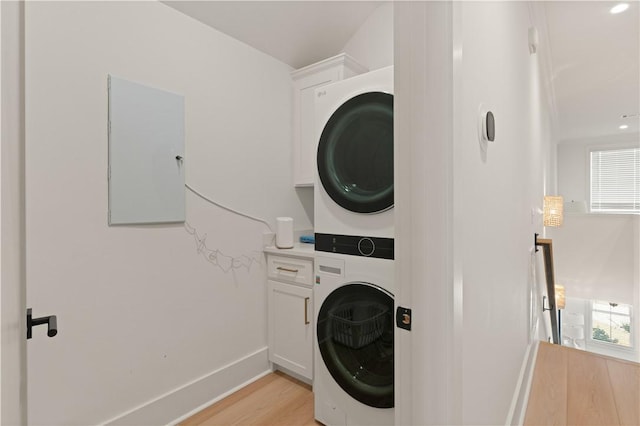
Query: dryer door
x=355, y=154
x=355, y=337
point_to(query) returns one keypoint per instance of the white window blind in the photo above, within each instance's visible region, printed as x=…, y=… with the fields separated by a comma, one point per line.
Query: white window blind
x=615, y=180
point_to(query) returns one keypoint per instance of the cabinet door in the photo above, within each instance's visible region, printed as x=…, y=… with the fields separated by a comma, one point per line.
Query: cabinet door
x=305, y=81
x=291, y=327
x=304, y=125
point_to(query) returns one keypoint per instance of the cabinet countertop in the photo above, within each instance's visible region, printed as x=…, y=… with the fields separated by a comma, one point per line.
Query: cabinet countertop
x=298, y=250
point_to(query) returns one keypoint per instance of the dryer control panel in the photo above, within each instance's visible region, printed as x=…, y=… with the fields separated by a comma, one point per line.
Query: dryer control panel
x=381, y=248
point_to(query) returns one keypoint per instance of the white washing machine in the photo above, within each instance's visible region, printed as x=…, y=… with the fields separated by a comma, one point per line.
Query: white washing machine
x=354, y=165
x=353, y=351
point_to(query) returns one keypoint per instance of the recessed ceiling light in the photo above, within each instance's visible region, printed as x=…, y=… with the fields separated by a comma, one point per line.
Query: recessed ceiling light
x=619, y=8
x=622, y=127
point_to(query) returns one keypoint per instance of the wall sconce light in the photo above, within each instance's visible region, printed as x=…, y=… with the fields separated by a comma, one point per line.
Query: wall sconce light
x=560, y=304
x=560, y=301
x=553, y=209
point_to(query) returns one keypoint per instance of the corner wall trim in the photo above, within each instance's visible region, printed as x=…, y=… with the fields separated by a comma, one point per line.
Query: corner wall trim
x=182, y=402
x=521, y=395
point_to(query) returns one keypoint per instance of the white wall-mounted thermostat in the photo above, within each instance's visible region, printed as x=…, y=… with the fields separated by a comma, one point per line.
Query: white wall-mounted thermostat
x=489, y=126
x=486, y=126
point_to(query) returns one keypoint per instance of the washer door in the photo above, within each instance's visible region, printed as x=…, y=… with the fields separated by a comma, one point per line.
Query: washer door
x=355, y=337
x=355, y=154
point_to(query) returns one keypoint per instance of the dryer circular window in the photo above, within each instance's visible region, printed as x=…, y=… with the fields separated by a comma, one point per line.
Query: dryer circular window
x=355, y=338
x=355, y=153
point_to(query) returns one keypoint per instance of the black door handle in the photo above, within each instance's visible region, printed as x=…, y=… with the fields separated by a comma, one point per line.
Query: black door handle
x=51, y=321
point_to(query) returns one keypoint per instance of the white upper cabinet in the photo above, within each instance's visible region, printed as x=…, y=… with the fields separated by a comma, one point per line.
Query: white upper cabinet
x=305, y=81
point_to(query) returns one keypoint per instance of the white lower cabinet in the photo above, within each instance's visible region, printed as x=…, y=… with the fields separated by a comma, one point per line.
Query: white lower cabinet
x=291, y=327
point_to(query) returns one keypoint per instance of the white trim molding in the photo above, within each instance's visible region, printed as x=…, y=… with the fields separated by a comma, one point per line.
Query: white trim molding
x=520, y=401
x=13, y=389
x=181, y=403
x=428, y=379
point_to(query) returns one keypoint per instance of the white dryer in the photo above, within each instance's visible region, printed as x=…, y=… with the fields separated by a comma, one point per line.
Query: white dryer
x=353, y=351
x=354, y=174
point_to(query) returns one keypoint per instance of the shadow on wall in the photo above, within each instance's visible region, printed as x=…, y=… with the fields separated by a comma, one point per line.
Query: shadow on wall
x=305, y=195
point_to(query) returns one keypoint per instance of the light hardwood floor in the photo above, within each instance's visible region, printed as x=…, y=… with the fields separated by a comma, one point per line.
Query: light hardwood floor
x=570, y=387
x=275, y=399
x=574, y=387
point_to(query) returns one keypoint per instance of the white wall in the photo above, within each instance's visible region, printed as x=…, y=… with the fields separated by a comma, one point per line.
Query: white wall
x=596, y=256
x=372, y=44
x=464, y=226
x=144, y=310
x=496, y=192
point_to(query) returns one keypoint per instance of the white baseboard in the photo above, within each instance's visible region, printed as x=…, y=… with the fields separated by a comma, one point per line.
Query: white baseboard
x=190, y=398
x=523, y=387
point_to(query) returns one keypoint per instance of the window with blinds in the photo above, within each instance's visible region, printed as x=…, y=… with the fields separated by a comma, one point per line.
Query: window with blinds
x=615, y=180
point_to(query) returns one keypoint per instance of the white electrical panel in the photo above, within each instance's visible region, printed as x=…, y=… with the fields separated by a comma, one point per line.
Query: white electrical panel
x=146, y=150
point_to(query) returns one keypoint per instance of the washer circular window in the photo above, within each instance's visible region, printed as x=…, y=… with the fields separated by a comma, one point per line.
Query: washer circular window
x=355, y=337
x=355, y=154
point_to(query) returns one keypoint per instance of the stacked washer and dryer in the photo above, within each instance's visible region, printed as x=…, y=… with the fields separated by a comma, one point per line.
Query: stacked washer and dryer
x=354, y=230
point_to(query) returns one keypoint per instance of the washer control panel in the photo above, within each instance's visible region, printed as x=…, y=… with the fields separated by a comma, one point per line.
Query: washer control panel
x=381, y=248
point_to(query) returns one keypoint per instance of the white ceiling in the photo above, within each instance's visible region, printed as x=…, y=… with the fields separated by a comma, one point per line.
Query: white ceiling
x=594, y=55
x=595, y=59
x=298, y=33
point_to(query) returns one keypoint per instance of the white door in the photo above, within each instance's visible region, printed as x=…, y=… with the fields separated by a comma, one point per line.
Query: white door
x=13, y=402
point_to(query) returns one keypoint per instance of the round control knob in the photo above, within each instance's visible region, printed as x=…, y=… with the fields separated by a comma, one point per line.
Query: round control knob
x=366, y=247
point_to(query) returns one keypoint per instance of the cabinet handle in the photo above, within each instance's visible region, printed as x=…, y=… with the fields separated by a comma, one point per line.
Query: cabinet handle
x=306, y=311
x=280, y=268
